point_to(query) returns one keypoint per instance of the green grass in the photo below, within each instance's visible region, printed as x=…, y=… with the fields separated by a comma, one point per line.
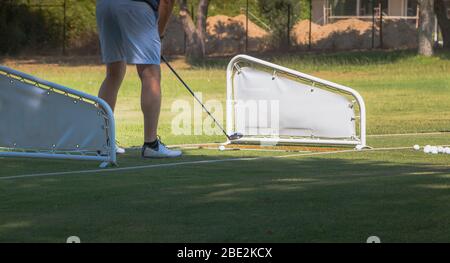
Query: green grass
x=398, y=195
x=403, y=92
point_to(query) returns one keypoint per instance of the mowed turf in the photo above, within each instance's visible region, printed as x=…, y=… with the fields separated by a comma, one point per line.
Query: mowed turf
x=249, y=196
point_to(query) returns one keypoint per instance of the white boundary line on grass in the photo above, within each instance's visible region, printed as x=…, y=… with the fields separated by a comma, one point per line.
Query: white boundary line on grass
x=237, y=149
x=193, y=162
x=123, y=168
x=408, y=134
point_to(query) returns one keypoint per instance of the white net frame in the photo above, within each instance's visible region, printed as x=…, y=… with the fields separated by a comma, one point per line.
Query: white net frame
x=107, y=153
x=241, y=61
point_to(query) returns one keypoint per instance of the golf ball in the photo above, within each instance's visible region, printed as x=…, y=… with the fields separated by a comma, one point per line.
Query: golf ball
x=447, y=150
x=222, y=148
x=434, y=150
x=416, y=147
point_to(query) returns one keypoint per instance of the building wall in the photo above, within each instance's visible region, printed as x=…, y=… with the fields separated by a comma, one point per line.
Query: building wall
x=397, y=7
x=317, y=11
x=447, y=3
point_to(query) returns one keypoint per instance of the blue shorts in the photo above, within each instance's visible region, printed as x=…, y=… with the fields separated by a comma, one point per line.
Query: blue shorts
x=128, y=31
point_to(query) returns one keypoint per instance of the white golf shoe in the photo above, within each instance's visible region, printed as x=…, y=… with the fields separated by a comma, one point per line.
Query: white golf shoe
x=161, y=152
x=120, y=150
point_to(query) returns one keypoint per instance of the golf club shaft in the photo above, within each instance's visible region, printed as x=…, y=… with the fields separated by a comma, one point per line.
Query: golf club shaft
x=196, y=98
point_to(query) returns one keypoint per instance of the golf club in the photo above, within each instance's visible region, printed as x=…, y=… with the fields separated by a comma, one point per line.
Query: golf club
x=232, y=137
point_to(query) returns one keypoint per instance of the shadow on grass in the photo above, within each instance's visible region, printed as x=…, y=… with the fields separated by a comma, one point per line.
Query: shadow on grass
x=443, y=54
x=310, y=59
x=264, y=200
x=204, y=157
x=356, y=58
x=71, y=61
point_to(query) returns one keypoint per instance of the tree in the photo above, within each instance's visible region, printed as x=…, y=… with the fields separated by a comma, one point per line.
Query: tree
x=440, y=9
x=275, y=12
x=22, y=28
x=195, y=32
x=426, y=27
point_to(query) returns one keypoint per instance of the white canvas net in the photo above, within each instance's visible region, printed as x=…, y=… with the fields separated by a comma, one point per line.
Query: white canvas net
x=39, y=117
x=267, y=104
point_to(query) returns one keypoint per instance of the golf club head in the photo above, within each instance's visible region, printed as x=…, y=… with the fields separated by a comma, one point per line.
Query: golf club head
x=235, y=136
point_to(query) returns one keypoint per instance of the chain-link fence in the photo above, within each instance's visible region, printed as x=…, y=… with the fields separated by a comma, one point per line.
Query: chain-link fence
x=328, y=25
x=48, y=27
x=241, y=26
x=32, y=24
x=358, y=24
x=233, y=30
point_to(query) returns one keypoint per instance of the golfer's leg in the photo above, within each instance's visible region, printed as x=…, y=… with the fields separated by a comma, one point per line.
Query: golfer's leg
x=115, y=72
x=150, y=99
